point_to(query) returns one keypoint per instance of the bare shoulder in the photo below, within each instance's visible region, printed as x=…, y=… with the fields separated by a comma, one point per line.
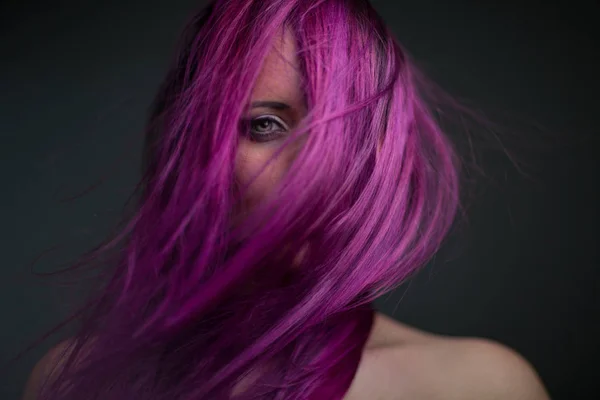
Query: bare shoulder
x=419, y=365
x=48, y=366
x=474, y=368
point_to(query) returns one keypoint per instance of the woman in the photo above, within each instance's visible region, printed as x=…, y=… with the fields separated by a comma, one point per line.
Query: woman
x=292, y=175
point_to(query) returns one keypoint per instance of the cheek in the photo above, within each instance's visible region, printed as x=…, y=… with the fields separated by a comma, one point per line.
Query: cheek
x=250, y=159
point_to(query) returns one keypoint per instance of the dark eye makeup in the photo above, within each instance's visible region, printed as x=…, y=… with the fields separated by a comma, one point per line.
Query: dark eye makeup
x=265, y=128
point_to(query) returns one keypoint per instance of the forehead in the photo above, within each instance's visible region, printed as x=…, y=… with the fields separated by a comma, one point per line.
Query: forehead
x=279, y=78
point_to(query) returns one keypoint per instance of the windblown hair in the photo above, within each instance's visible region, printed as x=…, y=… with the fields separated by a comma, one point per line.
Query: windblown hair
x=200, y=308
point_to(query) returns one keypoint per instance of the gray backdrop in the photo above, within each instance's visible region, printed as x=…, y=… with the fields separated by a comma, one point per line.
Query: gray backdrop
x=76, y=77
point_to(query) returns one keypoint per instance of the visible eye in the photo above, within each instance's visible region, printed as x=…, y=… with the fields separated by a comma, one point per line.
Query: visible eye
x=266, y=128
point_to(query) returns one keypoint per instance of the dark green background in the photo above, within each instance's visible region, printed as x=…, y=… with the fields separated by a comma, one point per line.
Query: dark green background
x=76, y=78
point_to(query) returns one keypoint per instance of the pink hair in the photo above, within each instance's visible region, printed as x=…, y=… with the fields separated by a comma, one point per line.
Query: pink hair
x=196, y=307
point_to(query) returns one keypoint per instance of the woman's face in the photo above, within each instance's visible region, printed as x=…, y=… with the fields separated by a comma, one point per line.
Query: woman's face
x=276, y=106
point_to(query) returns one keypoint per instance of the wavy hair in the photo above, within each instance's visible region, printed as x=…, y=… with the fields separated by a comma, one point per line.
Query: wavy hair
x=199, y=308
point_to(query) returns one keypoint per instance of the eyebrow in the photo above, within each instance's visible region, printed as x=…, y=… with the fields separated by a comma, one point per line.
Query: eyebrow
x=271, y=104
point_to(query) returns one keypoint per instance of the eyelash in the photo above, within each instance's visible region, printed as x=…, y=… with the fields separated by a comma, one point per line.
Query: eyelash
x=266, y=137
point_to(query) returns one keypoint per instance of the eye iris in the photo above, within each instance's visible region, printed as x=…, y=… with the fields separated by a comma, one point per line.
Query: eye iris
x=266, y=128
x=263, y=124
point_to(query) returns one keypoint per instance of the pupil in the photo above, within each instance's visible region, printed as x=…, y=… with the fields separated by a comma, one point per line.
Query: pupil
x=264, y=124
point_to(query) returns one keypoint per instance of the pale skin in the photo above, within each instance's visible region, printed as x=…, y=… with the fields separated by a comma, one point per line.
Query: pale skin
x=399, y=362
